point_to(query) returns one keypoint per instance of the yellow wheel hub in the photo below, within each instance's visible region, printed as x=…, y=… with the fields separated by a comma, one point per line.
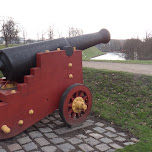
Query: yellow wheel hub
x=78, y=105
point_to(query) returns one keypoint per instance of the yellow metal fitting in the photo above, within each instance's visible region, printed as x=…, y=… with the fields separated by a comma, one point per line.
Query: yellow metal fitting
x=70, y=65
x=31, y=112
x=8, y=86
x=20, y=122
x=5, y=129
x=58, y=49
x=74, y=48
x=47, y=51
x=70, y=76
x=78, y=105
x=13, y=91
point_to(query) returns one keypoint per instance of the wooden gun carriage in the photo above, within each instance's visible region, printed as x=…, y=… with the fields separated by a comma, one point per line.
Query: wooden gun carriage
x=42, y=77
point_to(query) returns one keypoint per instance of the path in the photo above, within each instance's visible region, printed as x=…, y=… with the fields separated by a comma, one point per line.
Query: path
x=133, y=68
x=51, y=135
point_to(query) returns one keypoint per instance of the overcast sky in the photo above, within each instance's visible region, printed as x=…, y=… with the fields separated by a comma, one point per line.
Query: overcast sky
x=123, y=18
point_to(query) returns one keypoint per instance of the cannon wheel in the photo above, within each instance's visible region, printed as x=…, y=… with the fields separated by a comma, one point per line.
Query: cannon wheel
x=74, y=96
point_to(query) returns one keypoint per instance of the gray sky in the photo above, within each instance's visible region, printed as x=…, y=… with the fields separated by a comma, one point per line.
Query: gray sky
x=123, y=18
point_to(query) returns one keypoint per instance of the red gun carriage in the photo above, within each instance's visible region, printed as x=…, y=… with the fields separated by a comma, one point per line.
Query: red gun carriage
x=41, y=81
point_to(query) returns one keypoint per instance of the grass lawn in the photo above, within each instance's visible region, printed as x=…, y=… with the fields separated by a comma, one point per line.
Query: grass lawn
x=127, y=61
x=10, y=45
x=90, y=53
x=126, y=100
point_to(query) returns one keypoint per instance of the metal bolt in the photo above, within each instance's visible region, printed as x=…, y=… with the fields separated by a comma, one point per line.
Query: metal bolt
x=20, y=122
x=31, y=112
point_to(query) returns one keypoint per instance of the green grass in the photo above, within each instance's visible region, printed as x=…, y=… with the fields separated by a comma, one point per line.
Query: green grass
x=127, y=61
x=90, y=53
x=10, y=45
x=126, y=100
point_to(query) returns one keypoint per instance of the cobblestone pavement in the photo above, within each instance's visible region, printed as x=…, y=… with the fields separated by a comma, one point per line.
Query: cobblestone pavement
x=52, y=135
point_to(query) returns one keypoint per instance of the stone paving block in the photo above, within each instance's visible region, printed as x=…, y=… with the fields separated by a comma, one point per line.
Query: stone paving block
x=106, y=140
x=21, y=151
x=50, y=135
x=129, y=143
x=120, y=139
x=111, y=150
x=102, y=147
x=88, y=131
x=35, y=134
x=116, y=146
x=74, y=140
x=95, y=135
x=57, y=140
x=3, y=150
x=91, y=141
x=66, y=147
x=64, y=130
x=110, y=129
x=45, y=130
x=42, y=141
x=24, y=140
x=99, y=129
x=49, y=149
x=122, y=134
x=85, y=147
x=30, y=129
x=88, y=120
x=30, y=146
x=39, y=125
x=99, y=124
x=135, y=139
x=51, y=118
x=45, y=121
x=14, y=147
x=58, y=122
x=110, y=134
x=81, y=136
x=52, y=126
x=20, y=135
x=57, y=116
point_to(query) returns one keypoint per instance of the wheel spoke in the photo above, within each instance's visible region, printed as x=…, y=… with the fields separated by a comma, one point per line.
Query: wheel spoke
x=85, y=97
x=72, y=99
x=70, y=105
x=70, y=111
x=77, y=94
x=73, y=114
x=81, y=93
x=78, y=115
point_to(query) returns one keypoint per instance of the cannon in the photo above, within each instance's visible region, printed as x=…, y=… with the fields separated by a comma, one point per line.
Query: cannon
x=42, y=77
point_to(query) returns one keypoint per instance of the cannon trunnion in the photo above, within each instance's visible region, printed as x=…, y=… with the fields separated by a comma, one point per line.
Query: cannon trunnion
x=53, y=81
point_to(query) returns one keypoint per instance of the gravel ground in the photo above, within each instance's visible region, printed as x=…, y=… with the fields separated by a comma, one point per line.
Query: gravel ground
x=133, y=68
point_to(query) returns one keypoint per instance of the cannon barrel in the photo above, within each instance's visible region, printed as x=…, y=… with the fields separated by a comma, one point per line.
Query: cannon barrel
x=16, y=62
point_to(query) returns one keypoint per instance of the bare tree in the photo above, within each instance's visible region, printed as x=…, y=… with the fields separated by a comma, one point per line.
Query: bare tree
x=74, y=32
x=51, y=33
x=60, y=35
x=9, y=31
x=133, y=49
x=24, y=36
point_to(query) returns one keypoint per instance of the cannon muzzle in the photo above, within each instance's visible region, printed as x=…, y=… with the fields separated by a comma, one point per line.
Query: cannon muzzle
x=16, y=62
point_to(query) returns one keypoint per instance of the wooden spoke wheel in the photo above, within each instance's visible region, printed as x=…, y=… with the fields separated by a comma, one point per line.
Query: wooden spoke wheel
x=75, y=104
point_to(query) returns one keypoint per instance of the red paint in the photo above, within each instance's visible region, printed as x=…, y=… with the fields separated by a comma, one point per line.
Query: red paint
x=41, y=90
x=70, y=116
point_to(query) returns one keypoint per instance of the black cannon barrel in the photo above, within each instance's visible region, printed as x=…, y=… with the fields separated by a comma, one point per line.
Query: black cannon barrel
x=16, y=62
